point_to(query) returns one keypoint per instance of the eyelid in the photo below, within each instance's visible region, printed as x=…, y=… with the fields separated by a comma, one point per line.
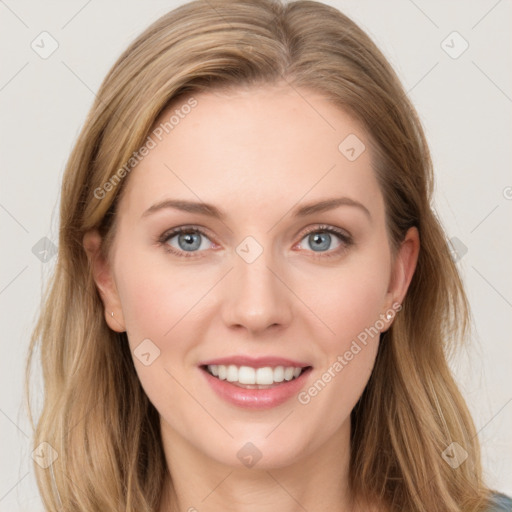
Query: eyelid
x=342, y=233
x=183, y=229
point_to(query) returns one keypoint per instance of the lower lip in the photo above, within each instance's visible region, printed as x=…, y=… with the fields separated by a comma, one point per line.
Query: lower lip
x=256, y=398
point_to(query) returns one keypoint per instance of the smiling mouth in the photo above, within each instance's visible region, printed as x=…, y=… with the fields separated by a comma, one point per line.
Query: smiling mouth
x=248, y=377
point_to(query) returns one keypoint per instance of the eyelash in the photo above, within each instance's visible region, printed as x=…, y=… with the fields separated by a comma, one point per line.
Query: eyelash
x=346, y=240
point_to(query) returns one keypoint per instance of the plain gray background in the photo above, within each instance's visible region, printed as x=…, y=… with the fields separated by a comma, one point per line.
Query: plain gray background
x=464, y=102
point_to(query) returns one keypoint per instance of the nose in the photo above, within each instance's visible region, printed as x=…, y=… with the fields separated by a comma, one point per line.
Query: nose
x=257, y=297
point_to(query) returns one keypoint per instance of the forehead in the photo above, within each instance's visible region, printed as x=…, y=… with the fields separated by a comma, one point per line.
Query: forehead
x=254, y=147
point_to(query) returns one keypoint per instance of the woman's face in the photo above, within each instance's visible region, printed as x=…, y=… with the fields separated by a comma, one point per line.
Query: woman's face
x=262, y=283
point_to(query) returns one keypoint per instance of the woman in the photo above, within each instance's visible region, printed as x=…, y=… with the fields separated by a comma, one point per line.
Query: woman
x=253, y=299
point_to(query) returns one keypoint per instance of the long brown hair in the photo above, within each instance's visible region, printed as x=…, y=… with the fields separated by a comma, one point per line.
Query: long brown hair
x=411, y=409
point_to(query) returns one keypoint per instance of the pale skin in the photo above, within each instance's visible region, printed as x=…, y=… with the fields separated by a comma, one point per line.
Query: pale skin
x=257, y=155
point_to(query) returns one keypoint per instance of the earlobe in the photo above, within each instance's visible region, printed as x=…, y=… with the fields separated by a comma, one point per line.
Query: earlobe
x=103, y=278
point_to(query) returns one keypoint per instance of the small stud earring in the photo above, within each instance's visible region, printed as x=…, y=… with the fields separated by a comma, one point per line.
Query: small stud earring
x=112, y=314
x=388, y=316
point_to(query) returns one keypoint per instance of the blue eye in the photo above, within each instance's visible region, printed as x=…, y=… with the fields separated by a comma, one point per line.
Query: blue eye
x=319, y=240
x=320, y=237
x=190, y=240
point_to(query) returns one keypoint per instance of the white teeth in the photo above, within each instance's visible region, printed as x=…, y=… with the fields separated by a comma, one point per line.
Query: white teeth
x=247, y=375
x=288, y=373
x=232, y=373
x=278, y=374
x=264, y=376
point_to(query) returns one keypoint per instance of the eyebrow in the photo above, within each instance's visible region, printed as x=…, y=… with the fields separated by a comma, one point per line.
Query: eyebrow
x=213, y=211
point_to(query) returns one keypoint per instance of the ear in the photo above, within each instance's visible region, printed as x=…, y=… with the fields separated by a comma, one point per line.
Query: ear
x=403, y=268
x=103, y=277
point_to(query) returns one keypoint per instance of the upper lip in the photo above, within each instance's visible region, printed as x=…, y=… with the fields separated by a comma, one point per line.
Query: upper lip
x=254, y=362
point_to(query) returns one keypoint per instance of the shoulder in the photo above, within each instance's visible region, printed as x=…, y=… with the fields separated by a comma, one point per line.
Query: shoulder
x=500, y=503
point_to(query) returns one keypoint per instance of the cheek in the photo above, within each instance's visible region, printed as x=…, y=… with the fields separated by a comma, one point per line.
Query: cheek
x=156, y=306
x=154, y=297
x=351, y=299
x=352, y=311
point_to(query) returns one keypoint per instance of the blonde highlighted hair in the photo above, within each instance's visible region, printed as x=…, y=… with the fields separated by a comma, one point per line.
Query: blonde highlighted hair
x=96, y=415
